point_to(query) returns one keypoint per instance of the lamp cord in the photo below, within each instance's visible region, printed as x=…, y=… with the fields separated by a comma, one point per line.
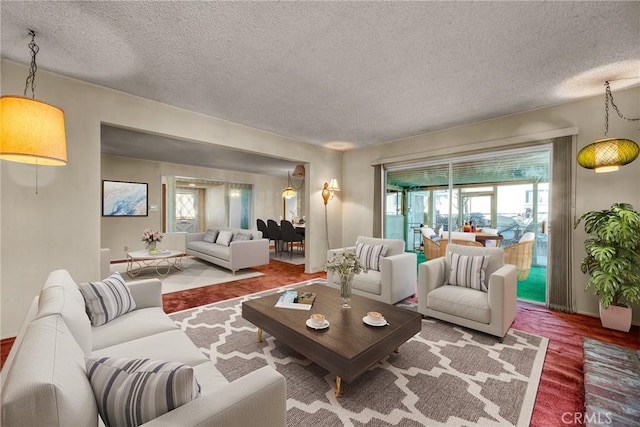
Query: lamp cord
x=326, y=226
x=31, y=78
x=291, y=182
x=609, y=99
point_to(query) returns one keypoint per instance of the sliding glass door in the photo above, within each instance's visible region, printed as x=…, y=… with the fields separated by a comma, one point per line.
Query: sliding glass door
x=506, y=193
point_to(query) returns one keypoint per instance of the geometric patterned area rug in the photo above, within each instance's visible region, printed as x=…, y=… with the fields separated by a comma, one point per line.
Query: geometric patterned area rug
x=444, y=375
x=196, y=273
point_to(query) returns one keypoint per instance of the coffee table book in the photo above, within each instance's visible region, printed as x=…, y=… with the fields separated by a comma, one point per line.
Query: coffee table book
x=295, y=300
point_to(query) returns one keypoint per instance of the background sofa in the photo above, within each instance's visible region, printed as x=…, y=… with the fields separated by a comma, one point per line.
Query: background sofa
x=394, y=281
x=236, y=255
x=45, y=383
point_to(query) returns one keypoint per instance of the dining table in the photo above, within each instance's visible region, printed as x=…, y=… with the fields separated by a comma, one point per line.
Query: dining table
x=483, y=238
x=300, y=228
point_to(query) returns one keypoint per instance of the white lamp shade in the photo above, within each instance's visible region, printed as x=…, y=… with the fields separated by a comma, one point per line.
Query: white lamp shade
x=333, y=185
x=32, y=131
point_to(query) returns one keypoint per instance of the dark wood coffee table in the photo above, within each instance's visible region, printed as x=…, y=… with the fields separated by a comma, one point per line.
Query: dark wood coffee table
x=348, y=347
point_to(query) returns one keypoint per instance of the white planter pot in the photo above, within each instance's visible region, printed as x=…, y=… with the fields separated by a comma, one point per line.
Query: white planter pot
x=616, y=317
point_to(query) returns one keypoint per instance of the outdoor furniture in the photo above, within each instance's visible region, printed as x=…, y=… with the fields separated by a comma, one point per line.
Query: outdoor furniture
x=430, y=242
x=444, y=243
x=521, y=254
x=491, y=310
x=431, y=248
x=459, y=235
x=488, y=239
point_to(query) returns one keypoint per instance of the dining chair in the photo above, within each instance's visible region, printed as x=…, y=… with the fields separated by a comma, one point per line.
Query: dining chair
x=290, y=236
x=262, y=226
x=275, y=234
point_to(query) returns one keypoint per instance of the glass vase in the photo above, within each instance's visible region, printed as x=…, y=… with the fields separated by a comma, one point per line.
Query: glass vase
x=151, y=246
x=345, y=290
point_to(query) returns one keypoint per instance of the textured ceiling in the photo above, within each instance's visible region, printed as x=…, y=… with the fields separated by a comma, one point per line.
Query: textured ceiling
x=339, y=74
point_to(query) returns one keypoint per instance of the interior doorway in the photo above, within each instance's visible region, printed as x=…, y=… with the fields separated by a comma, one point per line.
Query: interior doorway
x=195, y=204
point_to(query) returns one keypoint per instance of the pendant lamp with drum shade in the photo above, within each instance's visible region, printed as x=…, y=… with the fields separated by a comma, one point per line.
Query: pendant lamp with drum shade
x=32, y=131
x=290, y=191
x=608, y=154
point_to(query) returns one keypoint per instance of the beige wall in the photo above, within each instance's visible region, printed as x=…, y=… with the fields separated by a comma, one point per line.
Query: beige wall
x=118, y=232
x=593, y=191
x=61, y=226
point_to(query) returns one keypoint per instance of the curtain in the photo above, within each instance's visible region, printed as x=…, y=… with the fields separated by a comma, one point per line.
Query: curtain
x=378, y=191
x=171, y=203
x=560, y=234
x=238, y=205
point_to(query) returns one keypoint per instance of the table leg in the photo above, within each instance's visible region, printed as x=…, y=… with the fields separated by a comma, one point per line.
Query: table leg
x=397, y=350
x=130, y=266
x=178, y=263
x=338, y=386
x=134, y=271
x=259, y=335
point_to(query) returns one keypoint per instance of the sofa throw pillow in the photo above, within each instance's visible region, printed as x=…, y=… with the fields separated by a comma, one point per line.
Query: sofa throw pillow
x=369, y=255
x=224, y=237
x=106, y=300
x=239, y=236
x=210, y=236
x=130, y=392
x=468, y=271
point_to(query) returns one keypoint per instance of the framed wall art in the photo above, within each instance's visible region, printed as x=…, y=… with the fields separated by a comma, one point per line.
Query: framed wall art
x=120, y=198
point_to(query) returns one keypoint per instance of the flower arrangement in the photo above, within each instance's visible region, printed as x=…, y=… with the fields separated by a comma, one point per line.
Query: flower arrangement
x=150, y=236
x=345, y=263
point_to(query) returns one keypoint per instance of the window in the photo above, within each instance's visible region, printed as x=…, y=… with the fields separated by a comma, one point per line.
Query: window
x=186, y=205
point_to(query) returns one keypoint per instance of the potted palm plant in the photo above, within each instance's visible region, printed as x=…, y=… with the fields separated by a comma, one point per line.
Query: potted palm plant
x=613, y=261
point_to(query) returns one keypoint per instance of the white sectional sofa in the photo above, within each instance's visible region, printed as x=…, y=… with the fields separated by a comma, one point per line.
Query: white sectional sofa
x=45, y=383
x=235, y=254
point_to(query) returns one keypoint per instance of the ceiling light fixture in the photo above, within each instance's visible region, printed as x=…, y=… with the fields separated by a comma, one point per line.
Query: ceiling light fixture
x=290, y=191
x=32, y=131
x=608, y=154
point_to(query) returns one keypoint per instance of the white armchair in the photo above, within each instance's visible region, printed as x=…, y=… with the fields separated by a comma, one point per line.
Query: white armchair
x=396, y=279
x=491, y=311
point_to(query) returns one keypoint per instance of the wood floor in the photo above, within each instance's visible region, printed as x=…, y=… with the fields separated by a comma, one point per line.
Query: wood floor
x=561, y=391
